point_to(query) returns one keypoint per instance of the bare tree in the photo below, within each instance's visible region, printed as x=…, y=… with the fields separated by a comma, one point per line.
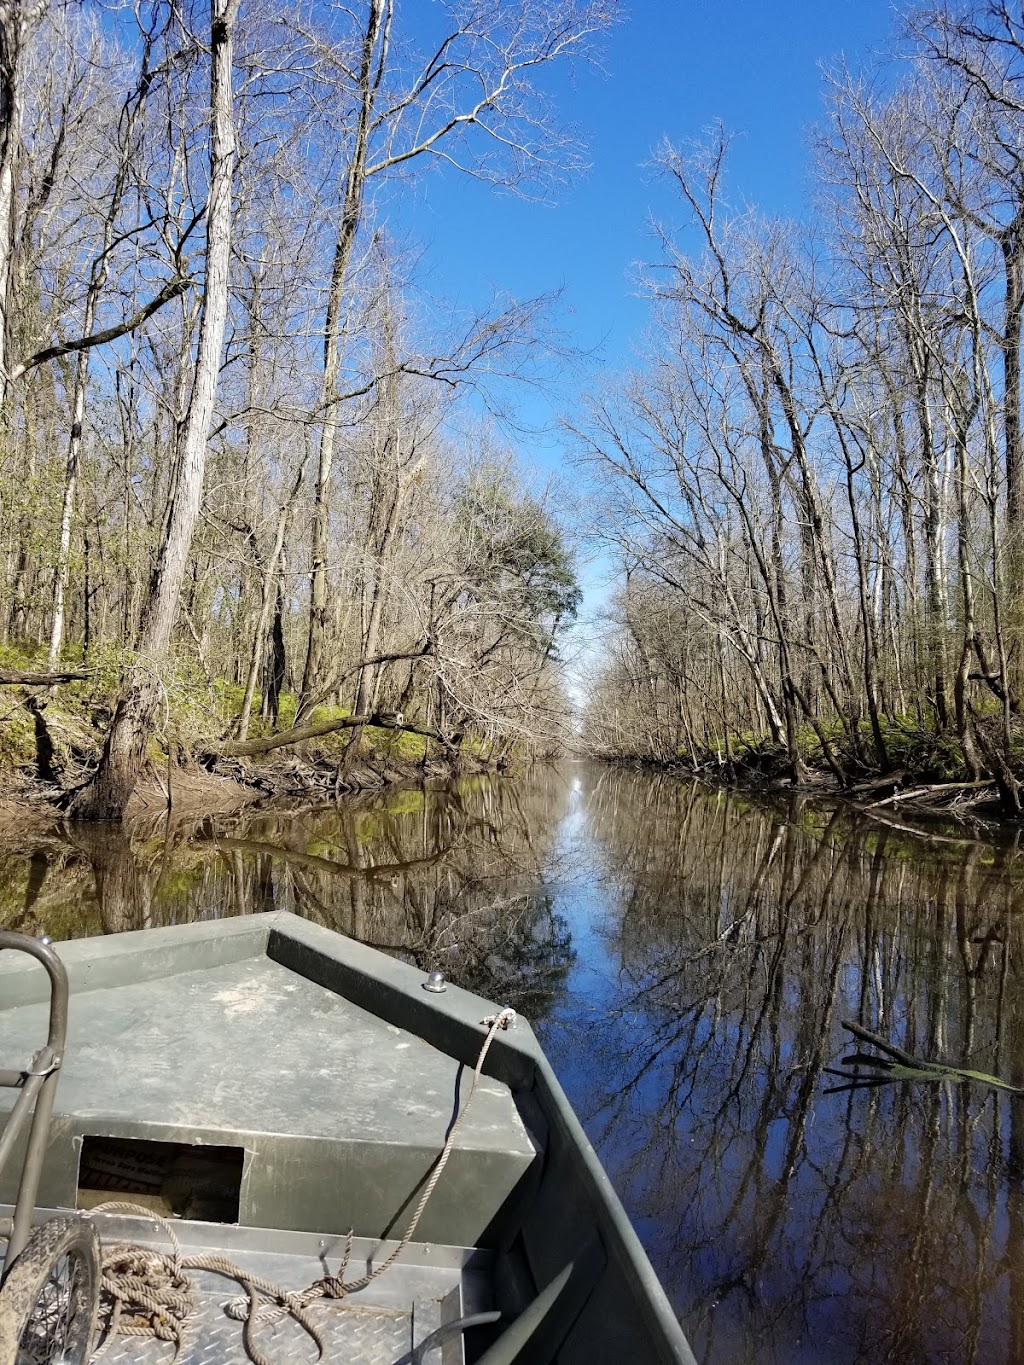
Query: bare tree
x=469, y=104
x=107, y=794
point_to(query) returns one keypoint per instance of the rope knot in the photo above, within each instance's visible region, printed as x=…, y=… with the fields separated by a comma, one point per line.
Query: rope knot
x=504, y=1019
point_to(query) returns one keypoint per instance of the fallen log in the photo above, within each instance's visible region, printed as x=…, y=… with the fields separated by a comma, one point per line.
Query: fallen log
x=933, y=789
x=885, y=780
x=14, y=678
x=251, y=748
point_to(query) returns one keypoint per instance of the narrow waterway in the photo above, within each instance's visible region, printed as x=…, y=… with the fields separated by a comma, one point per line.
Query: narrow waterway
x=688, y=958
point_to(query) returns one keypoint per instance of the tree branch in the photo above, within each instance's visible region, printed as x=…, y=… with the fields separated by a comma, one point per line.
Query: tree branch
x=12, y=678
x=251, y=747
x=171, y=290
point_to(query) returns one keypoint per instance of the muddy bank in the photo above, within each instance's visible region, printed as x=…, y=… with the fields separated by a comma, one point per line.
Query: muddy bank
x=188, y=792
x=30, y=807
x=892, y=798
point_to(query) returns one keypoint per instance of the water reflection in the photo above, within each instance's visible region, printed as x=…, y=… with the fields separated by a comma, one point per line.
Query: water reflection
x=451, y=877
x=689, y=957
x=794, y=1225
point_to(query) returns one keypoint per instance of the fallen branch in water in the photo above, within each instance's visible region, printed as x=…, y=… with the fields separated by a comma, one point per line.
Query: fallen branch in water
x=935, y=789
x=897, y=1065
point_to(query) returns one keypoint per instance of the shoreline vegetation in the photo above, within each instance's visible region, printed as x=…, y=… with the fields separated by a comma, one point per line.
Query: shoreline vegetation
x=813, y=480
x=929, y=781
x=53, y=725
x=240, y=438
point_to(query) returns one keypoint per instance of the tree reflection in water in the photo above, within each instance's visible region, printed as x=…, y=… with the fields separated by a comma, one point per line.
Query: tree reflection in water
x=689, y=957
x=790, y=1224
x=450, y=877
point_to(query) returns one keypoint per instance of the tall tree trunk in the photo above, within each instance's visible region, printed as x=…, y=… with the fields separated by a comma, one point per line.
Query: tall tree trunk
x=270, y=585
x=352, y=209
x=16, y=22
x=107, y=795
x=1012, y=243
x=97, y=280
x=869, y=661
x=934, y=528
x=276, y=670
x=63, y=569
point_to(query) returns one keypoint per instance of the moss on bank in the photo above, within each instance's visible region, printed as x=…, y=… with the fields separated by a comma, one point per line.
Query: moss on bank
x=195, y=717
x=920, y=757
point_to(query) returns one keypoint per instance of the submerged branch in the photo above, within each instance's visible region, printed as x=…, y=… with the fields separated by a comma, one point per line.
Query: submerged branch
x=898, y=1065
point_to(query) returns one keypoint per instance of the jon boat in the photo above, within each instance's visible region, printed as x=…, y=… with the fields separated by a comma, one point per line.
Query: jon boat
x=265, y=1086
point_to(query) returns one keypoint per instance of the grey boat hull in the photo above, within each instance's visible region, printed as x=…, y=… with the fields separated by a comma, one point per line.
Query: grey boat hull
x=335, y=1077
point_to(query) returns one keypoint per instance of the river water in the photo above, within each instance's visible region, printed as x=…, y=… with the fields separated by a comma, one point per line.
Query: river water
x=688, y=958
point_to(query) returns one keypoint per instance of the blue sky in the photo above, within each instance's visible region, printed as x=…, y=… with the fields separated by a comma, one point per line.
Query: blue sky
x=672, y=68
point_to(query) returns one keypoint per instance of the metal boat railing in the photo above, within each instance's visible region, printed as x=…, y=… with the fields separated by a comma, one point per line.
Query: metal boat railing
x=38, y=1085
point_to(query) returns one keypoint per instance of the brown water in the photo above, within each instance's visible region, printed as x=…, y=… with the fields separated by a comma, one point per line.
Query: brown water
x=688, y=958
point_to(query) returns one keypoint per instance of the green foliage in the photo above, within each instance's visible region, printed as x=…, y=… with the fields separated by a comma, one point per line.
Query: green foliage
x=514, y=551
x=108, y=663
x=917, y=747
x=17, y=737
x=395, y=744
x=193, y=711
x=229, y=697
x=320, y=715
x=24, y=657
x=156, y=752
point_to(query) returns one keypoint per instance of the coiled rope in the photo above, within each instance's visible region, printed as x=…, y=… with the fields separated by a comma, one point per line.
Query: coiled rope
x=149, y=1293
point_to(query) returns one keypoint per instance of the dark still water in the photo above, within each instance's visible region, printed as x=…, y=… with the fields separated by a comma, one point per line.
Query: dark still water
x=688, y=958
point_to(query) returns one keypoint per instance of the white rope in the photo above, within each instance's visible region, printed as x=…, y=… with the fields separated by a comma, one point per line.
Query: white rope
x=335, y=1286
x=150, y=1294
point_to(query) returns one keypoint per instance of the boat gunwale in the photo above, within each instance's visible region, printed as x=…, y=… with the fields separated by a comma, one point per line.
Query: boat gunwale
x=393, y=990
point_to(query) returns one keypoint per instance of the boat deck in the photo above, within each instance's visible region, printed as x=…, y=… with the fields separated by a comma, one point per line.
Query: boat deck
x=381, y=1325
x=336, y=1116
x=304, y=1084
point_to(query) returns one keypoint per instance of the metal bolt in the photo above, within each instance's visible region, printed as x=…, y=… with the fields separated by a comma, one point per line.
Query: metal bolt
x=435, y=983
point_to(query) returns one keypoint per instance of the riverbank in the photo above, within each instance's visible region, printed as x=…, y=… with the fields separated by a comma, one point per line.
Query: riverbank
x=51, y=738
x=928, y=772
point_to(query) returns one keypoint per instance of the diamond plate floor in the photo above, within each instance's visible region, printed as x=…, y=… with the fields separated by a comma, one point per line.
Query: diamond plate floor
x=380, y=1325
x=376, y=1336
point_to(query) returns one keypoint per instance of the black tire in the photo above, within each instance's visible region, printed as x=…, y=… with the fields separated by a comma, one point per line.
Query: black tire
x=50, y=1296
